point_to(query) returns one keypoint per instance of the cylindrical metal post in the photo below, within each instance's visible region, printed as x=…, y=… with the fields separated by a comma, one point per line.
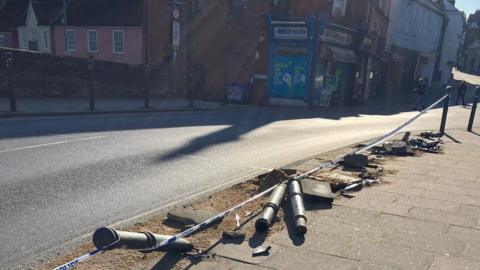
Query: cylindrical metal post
x=474, y=108
x=446, y=104
x=147, y=87
x=8, y=56
x=270, y=209
x=298, y=209
x=111, y=238
x=91, y=88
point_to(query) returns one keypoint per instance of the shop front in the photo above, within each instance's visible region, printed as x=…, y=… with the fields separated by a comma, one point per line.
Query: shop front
x=291, y=50
x=335, y=68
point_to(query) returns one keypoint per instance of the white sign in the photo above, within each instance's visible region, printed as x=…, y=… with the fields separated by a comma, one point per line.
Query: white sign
x=175, y=34
x=282, y=32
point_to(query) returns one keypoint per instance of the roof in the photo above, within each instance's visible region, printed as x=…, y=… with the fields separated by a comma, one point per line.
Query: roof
x=13, y=14
x=47, y=11
x=105, y=13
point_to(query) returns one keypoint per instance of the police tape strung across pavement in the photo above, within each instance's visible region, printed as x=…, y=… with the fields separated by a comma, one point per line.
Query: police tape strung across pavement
x=204, y=224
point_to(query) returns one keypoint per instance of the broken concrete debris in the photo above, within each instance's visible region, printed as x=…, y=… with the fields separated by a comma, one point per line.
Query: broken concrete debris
x=270, y=209
x=355, y=160
x=237, y=235
x=108, y=238
x=261, y=251
x=317, y=190
x=423, y=145
x=398, y=147
x=298, y=208
x=189, y=216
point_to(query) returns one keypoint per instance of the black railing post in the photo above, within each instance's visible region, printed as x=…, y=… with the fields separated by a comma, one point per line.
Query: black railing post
x=12, y=98
x=446, y=104
x=474, y=108
x=147, y=87
x=91, y=88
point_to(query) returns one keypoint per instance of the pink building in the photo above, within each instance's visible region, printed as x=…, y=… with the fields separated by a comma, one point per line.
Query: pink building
x=109, y=30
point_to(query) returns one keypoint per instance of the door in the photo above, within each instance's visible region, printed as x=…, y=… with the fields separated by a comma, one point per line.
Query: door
x=290, y=76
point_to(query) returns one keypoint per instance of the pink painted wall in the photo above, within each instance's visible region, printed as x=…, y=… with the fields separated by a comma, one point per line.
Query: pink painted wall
x=133, y=46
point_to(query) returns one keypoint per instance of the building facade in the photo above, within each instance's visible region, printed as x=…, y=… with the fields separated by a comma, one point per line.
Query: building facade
x=12, y=13
x=471, y=53
x=35, y=33
x=414, y=38
x=105, y=30
x=452, y=44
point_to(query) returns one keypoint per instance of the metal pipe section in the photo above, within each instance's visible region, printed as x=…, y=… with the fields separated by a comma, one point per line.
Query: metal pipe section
x=298, y=209
x=446, y=104
x=111, y=238
x=270, y=209
x=474, y=108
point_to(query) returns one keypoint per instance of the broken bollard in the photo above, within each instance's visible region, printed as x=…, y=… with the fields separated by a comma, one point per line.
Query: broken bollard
x=298, y=209
x=270, y=209
x=111, y=238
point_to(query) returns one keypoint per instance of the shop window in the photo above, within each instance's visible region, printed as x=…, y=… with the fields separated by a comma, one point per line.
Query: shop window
x=236, y=8
x=339, y=8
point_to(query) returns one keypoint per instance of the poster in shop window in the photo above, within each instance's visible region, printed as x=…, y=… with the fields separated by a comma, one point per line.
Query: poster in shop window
x=290, y=79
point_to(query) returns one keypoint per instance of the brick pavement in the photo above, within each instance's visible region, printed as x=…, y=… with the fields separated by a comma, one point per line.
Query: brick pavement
x=425, y=216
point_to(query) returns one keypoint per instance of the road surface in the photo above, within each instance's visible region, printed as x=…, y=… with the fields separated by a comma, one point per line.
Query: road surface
x=63, y=177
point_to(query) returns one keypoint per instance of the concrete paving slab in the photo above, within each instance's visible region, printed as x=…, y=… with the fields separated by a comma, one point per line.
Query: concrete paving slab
x=464, y=234
x=411, y=225
x=294, y=258
x=428, y=203
x=339, y=227
x=394, y=256
x=224, y=264
x=450, y=263
x=445, y=217
x=437, y=245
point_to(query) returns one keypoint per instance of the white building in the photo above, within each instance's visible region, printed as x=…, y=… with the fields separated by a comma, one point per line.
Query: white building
x=413, y=36
x=452, y=42
x=35, y=33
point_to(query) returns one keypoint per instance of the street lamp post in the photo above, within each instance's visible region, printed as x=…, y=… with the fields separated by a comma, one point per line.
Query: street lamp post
x=147, y=86
x=91, y=88
x=8, y=56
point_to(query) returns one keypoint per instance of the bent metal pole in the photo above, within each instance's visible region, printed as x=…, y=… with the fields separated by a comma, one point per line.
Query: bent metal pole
x=204, y=224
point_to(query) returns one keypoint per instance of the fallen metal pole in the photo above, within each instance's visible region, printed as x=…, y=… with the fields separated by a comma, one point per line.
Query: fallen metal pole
x=270, y=209
x=112, y=238
x=474, y=109
x=298, y=209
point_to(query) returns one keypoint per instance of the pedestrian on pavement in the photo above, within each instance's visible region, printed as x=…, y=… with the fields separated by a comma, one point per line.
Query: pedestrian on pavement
x=461, y=93
x=419, y=90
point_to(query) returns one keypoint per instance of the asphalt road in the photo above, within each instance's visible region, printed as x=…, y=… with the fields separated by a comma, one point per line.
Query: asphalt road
x=63, y=177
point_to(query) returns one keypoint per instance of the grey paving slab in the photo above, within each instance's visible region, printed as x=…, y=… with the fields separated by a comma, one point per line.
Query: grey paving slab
x=472, y=252
x=411, y=225
x=339, y=227
x=315, y=241
x=450, y=263
x=374, y=266
x=294, y=258
x=428, y=203
x=464, y=234
x=453, y=197
x=437, y=245
x=394, y=256
x=470, y=210
x=224, y=264
x=443, y=217
x=347, y=214
x=380, y=201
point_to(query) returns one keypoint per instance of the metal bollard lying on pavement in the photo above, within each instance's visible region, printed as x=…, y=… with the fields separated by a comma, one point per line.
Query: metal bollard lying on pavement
x=270, y=209
x=112, y=238
x=298, y=209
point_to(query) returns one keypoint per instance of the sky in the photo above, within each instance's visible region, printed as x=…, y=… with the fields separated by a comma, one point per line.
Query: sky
x=468, y=6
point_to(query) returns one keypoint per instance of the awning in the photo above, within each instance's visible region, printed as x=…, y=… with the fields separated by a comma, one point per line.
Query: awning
x=342, y=55
x=469, y=78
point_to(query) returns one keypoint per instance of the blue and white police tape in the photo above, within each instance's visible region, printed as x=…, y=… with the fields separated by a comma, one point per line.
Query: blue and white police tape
x=84, y=257
x=78, y=260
